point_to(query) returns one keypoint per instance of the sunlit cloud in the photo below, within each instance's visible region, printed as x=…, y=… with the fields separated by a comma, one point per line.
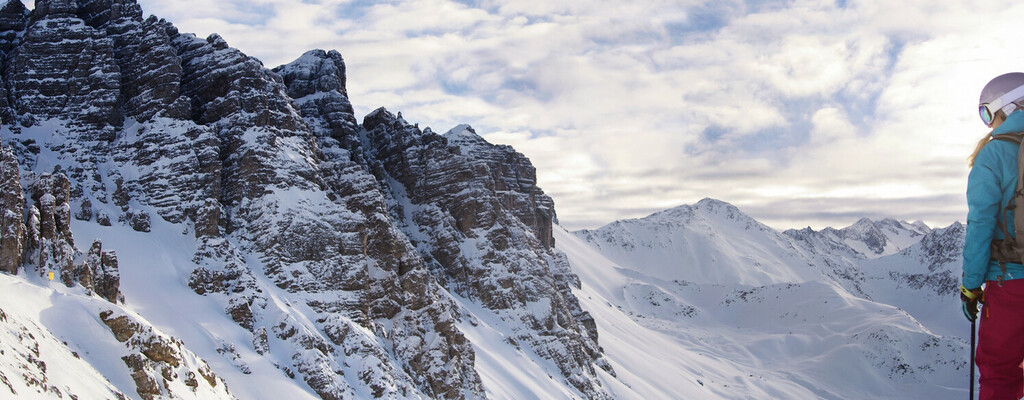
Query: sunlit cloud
x=807, y=112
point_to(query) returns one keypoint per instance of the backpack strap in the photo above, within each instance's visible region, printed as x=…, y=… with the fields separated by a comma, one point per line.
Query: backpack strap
x=1012, y=249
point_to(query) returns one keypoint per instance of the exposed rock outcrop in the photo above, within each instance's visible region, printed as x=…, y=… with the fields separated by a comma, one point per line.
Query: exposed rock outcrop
x=51, y=246
x=99, y=274
x=155, y=360
x=64, y=68
x=12, y=211
x=467, y=193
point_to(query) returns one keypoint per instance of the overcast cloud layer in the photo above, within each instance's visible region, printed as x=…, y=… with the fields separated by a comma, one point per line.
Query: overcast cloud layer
x=802, y=113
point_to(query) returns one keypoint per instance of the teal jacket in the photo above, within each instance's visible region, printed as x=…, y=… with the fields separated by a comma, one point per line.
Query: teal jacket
x=991, y=184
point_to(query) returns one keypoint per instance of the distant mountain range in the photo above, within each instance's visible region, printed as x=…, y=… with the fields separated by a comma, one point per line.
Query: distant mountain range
x=179, y=221
x=867, y=311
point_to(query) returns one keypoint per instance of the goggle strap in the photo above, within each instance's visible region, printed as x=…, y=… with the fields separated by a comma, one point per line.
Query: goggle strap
x=1005, y=100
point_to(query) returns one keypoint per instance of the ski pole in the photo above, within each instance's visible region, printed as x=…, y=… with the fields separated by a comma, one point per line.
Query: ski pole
x=972, y=360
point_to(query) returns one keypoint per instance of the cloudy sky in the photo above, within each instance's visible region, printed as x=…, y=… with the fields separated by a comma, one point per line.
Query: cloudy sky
x=802, y=113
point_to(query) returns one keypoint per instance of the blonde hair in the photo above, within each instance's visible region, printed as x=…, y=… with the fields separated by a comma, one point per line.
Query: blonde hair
x=999, y=117
x=977, y=149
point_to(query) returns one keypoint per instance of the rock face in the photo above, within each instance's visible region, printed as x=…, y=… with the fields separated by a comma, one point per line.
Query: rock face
x=51, y=244
x=62, y=67
x=464, y=192
x=99, y=273
x=12, y=210
x=372, y=229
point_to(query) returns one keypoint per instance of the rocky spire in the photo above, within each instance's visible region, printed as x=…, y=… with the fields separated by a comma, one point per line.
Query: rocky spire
x=317, y=81
x=12, y=211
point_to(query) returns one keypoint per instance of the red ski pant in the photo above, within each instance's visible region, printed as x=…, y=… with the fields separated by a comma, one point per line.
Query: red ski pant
x=1001, y=341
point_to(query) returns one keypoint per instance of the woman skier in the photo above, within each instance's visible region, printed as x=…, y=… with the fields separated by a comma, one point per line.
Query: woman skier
x=989, y=255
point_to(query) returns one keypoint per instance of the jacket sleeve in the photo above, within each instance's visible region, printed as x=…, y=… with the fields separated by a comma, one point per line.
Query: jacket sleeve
x=984, y=195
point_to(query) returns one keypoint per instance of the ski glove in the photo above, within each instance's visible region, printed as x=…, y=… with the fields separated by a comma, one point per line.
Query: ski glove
x=971, y=298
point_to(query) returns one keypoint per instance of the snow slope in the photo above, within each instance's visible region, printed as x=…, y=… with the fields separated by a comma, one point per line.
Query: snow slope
x=62, y=345
x=155, y=268
x=711, y=242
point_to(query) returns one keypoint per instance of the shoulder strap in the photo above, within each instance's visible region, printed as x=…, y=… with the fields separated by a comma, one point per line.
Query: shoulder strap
x=1018, y=199
x=1014, y=137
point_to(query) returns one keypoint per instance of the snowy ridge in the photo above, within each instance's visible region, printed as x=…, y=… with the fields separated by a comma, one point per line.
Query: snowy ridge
x=710, y=242
x=870, y=239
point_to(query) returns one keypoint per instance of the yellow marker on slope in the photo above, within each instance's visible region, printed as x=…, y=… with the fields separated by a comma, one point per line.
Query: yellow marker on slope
x=50, y=275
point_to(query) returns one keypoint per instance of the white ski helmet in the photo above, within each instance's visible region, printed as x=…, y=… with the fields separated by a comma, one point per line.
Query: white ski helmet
x=1001, y=93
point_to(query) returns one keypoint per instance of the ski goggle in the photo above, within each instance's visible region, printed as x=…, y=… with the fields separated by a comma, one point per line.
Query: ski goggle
x=988, y=111
x=988, y=115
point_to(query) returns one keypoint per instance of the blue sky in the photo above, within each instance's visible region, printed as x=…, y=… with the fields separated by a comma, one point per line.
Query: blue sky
x=802, y=113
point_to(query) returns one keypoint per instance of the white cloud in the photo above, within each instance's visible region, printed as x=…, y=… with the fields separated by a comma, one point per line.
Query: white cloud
x=829, y=125
x=802, y=113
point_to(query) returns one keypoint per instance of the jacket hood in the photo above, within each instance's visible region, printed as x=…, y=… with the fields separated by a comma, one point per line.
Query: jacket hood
x=1014, y=123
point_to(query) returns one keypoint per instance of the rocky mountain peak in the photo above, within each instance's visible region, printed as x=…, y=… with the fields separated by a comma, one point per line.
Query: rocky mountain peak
x=463, y=135
x=940, y=246
x=316, y=71
x=13, y=16
x=95, y=13
x=865, y=230
x=59, y=8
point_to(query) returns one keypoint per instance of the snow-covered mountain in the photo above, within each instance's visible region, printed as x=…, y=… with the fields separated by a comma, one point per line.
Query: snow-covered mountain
x=179, y=221
x=744, y=311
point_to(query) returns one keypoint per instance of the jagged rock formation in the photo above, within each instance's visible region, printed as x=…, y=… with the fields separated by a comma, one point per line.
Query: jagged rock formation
x=156, y=362
x=937, y=250
x=12, y=210
x=124, y=120
x=51, y=245
x=99, y=273
x=457, y=191
x=43, y=241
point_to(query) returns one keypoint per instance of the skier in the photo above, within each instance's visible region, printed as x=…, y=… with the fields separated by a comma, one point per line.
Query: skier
x=990, y=188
